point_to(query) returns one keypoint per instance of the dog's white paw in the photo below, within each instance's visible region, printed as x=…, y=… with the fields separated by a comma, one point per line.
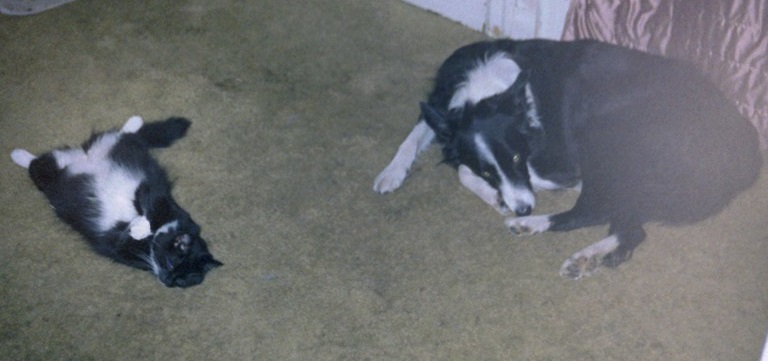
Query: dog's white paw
x=587, y=262
x=389, y=179
x=140, y=228
x=578, y=267
x=528, y=225
x=22, y=157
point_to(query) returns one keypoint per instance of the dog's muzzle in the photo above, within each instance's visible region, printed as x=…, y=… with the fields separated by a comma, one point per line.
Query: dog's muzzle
x=523, y=210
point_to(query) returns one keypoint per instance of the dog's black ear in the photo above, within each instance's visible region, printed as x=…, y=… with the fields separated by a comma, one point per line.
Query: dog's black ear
x=437, y=120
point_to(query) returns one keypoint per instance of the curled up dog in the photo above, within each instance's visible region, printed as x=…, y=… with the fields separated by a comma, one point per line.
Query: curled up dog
x=644, y=139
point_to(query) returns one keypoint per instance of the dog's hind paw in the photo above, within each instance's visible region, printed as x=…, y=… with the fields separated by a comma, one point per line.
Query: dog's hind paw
x=528, y=225
x=389, y=179
x=586, y=262
x=579, y=267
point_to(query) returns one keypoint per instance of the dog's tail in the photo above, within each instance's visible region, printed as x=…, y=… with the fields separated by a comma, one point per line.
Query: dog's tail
x=161, y=134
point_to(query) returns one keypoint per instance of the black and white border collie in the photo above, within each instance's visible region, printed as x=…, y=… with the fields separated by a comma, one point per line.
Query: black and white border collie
x=644, y=139
x=113, y=192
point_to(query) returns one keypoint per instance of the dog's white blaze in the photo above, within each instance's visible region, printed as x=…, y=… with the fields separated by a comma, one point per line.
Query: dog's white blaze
x=491, y=76
x=481, y=188
x=514, y=196
x=393, y=175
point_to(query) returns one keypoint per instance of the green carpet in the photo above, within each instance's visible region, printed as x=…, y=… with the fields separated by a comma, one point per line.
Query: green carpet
x=296, y=107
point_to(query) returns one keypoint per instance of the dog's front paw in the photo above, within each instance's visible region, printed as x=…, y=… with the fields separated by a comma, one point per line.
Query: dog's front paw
x=528, y=225
x=389, y=179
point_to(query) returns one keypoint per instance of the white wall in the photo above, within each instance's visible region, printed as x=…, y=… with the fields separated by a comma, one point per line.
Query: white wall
x=519, y=19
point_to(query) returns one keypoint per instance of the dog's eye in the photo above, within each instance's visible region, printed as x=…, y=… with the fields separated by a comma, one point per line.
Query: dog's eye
x=485, y=174
x=516, y=158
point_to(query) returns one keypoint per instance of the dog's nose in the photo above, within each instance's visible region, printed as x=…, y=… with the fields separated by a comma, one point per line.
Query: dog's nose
x=523, y=210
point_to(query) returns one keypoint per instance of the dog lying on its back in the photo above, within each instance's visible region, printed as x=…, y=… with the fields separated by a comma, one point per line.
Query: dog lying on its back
x=115, y=194
x=644, y=138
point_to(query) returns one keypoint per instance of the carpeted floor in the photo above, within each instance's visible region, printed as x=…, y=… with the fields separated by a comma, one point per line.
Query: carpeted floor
x=296, y=107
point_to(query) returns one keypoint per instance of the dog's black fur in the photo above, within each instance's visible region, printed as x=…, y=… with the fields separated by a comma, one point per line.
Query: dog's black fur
x=649, y=138
x=176, y=254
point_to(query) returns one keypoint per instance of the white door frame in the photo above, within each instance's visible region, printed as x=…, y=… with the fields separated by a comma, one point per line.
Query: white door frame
x=519, y=19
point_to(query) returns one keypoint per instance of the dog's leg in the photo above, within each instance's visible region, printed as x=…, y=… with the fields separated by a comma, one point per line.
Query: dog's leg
x=629, y=238
x=584, y=263
x=610, y=252
x=482, y=189
x=585, y=213
x=529, y=225
x=393, y=175
x=579, y=216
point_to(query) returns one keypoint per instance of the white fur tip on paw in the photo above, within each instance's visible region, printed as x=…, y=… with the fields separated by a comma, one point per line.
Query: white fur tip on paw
x=140, y=228
x=133, y=124
x=22, y=157
x=390, y=179
x=588, y=261
x=579, y=267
